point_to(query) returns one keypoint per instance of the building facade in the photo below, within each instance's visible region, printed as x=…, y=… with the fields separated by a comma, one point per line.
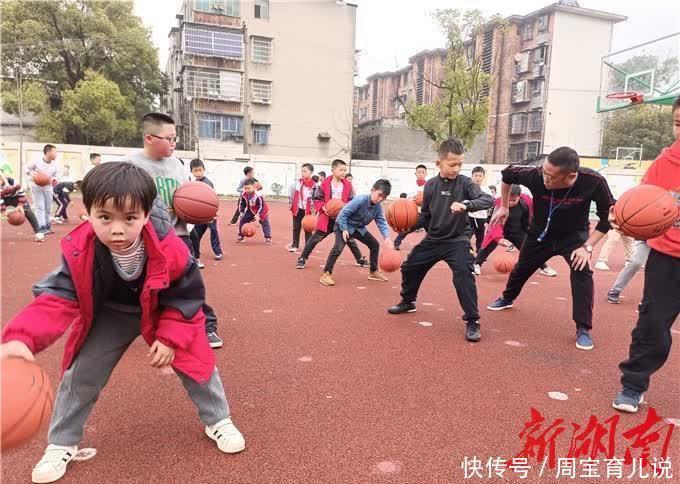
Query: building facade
x=246, y=79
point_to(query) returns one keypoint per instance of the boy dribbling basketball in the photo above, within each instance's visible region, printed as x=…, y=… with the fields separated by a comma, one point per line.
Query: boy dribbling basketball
x=123, y=274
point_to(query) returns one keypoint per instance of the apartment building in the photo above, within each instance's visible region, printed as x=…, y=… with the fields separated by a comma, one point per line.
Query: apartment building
x=263, y=77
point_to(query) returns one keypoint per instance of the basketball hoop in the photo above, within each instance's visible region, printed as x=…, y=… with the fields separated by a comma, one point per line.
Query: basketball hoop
x=635, y=97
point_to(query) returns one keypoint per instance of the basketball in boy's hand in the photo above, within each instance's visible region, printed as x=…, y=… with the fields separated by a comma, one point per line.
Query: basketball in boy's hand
x=418, y=199
x=645, y=212
x=333, y=207
x=249, y=229
x=504, y=262
x=258, y=186
x=389, y=260
x=402, y=214
x=16, y=217
x=195, y=202
x=41, y=179
x=308, y=223
x=27, y=400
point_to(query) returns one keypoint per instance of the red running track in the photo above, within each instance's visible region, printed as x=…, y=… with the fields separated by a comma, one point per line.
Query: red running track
x=327, y=387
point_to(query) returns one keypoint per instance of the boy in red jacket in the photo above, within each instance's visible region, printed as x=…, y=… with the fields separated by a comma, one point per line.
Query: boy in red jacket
x=332, y=187
x=123, y=274
x=301, y=194
x=660, y=306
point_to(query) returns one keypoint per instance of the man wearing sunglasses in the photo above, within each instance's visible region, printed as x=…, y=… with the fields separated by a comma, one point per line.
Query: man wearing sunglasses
x=563, y=192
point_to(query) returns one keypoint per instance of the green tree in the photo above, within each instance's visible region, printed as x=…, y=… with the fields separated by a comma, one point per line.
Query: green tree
x=34, y=97
x=95, y=111
x=462, y=108
x=61, y=40
x=643, y=125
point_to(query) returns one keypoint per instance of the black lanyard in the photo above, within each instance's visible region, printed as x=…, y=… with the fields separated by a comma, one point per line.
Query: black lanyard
x=551, y=210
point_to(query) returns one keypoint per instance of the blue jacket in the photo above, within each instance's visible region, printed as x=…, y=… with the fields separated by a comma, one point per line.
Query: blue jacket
x=360, y=212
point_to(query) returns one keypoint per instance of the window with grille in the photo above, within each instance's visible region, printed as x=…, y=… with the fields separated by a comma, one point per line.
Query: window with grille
x=527, y=31
x=262, y=9
x=538, y=87
x=217, y=126
x=261, y=134
x=516, y=152
x=214, y=42
x=262, y=50
x=535, y=121
x=215, y=84
x=363, y=114
x=261, y=91
x=518, y=123
x=219, y=7
x=533, y=149
x=542, y=23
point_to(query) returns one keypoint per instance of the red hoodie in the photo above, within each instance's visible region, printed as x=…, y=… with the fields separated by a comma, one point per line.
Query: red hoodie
x=665, y=173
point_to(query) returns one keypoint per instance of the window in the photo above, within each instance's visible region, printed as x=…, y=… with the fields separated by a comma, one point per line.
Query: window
x=217, y=126
x=535, y=121
x=542, y=23
x=516, y=152
x=214, y=42
x=539, y=54
x=262, y=50
x=518, y=123
x=527, y=31
x=261, y=91
x=519, y=92
x=522, y=62
x=261, y=134
x=538, y=87
x=532, y=149
x=220, y=7
x=214, y=84
x=363, y=114
x=262, y=9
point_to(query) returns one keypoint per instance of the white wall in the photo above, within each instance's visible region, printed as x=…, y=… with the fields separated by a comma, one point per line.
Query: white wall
x=578, y=45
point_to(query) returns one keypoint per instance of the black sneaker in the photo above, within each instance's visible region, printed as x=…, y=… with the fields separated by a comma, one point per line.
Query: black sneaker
x=402, y=308
x=500, y=304
x=614, y=297
x=214, y=340
x=473, y=332
x=363, y=262
x=300, y=263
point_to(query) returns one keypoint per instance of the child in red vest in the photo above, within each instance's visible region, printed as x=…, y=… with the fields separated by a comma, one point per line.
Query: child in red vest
x=332, y=187
x=124, y=273
x=252, y=207
x=301, y=194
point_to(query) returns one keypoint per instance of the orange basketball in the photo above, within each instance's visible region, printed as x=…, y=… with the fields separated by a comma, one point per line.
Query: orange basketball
x=333, y=207
x=16, y=217
x=258, y=186
x=646, y=211
x=249, y=229
x=26, y=400
x=402, y=214
x=195, y=202
x=418, y=199
x=390, y=260
x=308, y=223
x=504, y=262
x=41, y=179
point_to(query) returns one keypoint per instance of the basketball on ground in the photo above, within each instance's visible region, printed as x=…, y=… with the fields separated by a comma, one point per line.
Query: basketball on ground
x=249, y=229
x=646, y=211
x=402, y=214
x=41, y=179
x=504, y=262
x=389, y=260
x=16, y=217
x=195, y=202
x=27, y=400
x=308, y=223
x=333, y=207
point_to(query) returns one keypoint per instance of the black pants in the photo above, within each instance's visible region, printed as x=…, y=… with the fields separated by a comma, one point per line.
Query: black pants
x=534, y=254
x=367, y=239
x=210, y=317
x=297, y=228
x=319, y=235
x=477, y=226
x=420, y=223
x=234, y=218
x=459, y=258
x=62, y=200
x=516, y=240
x=30, y=216
x=651, y=338
x=197, y=234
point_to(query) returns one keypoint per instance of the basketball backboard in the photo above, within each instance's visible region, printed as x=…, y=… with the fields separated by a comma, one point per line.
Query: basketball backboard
x=648, y=73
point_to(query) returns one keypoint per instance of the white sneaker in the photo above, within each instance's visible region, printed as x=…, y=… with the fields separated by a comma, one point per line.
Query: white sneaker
x=290, y=248
x=478, y=270
x=40, y=237
x=602, y=265
x=52, y=466
x=549, y=271
x=199, y=264
x=227, y=436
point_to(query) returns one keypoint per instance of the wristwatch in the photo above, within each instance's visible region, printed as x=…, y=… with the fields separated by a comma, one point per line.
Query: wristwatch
x=589, y=249
x=467, y=205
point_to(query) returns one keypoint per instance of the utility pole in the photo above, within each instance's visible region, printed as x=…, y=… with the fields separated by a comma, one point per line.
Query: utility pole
x=246, y=90
x=20, y=87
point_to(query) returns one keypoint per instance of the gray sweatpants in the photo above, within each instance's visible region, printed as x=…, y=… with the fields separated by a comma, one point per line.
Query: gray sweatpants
x=637, y=260
x=42, y=201
x=112, y=333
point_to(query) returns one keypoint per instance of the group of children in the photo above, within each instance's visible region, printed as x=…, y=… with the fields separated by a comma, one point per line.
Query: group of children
x=127, y=273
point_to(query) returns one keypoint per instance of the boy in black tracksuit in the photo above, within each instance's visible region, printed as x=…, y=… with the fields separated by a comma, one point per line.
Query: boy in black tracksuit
x=198, y=171
x=446, y=200
x=12, y=195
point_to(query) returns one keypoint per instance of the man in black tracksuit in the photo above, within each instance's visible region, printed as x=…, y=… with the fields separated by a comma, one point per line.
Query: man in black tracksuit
x=446, y=200
x=563, y=193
